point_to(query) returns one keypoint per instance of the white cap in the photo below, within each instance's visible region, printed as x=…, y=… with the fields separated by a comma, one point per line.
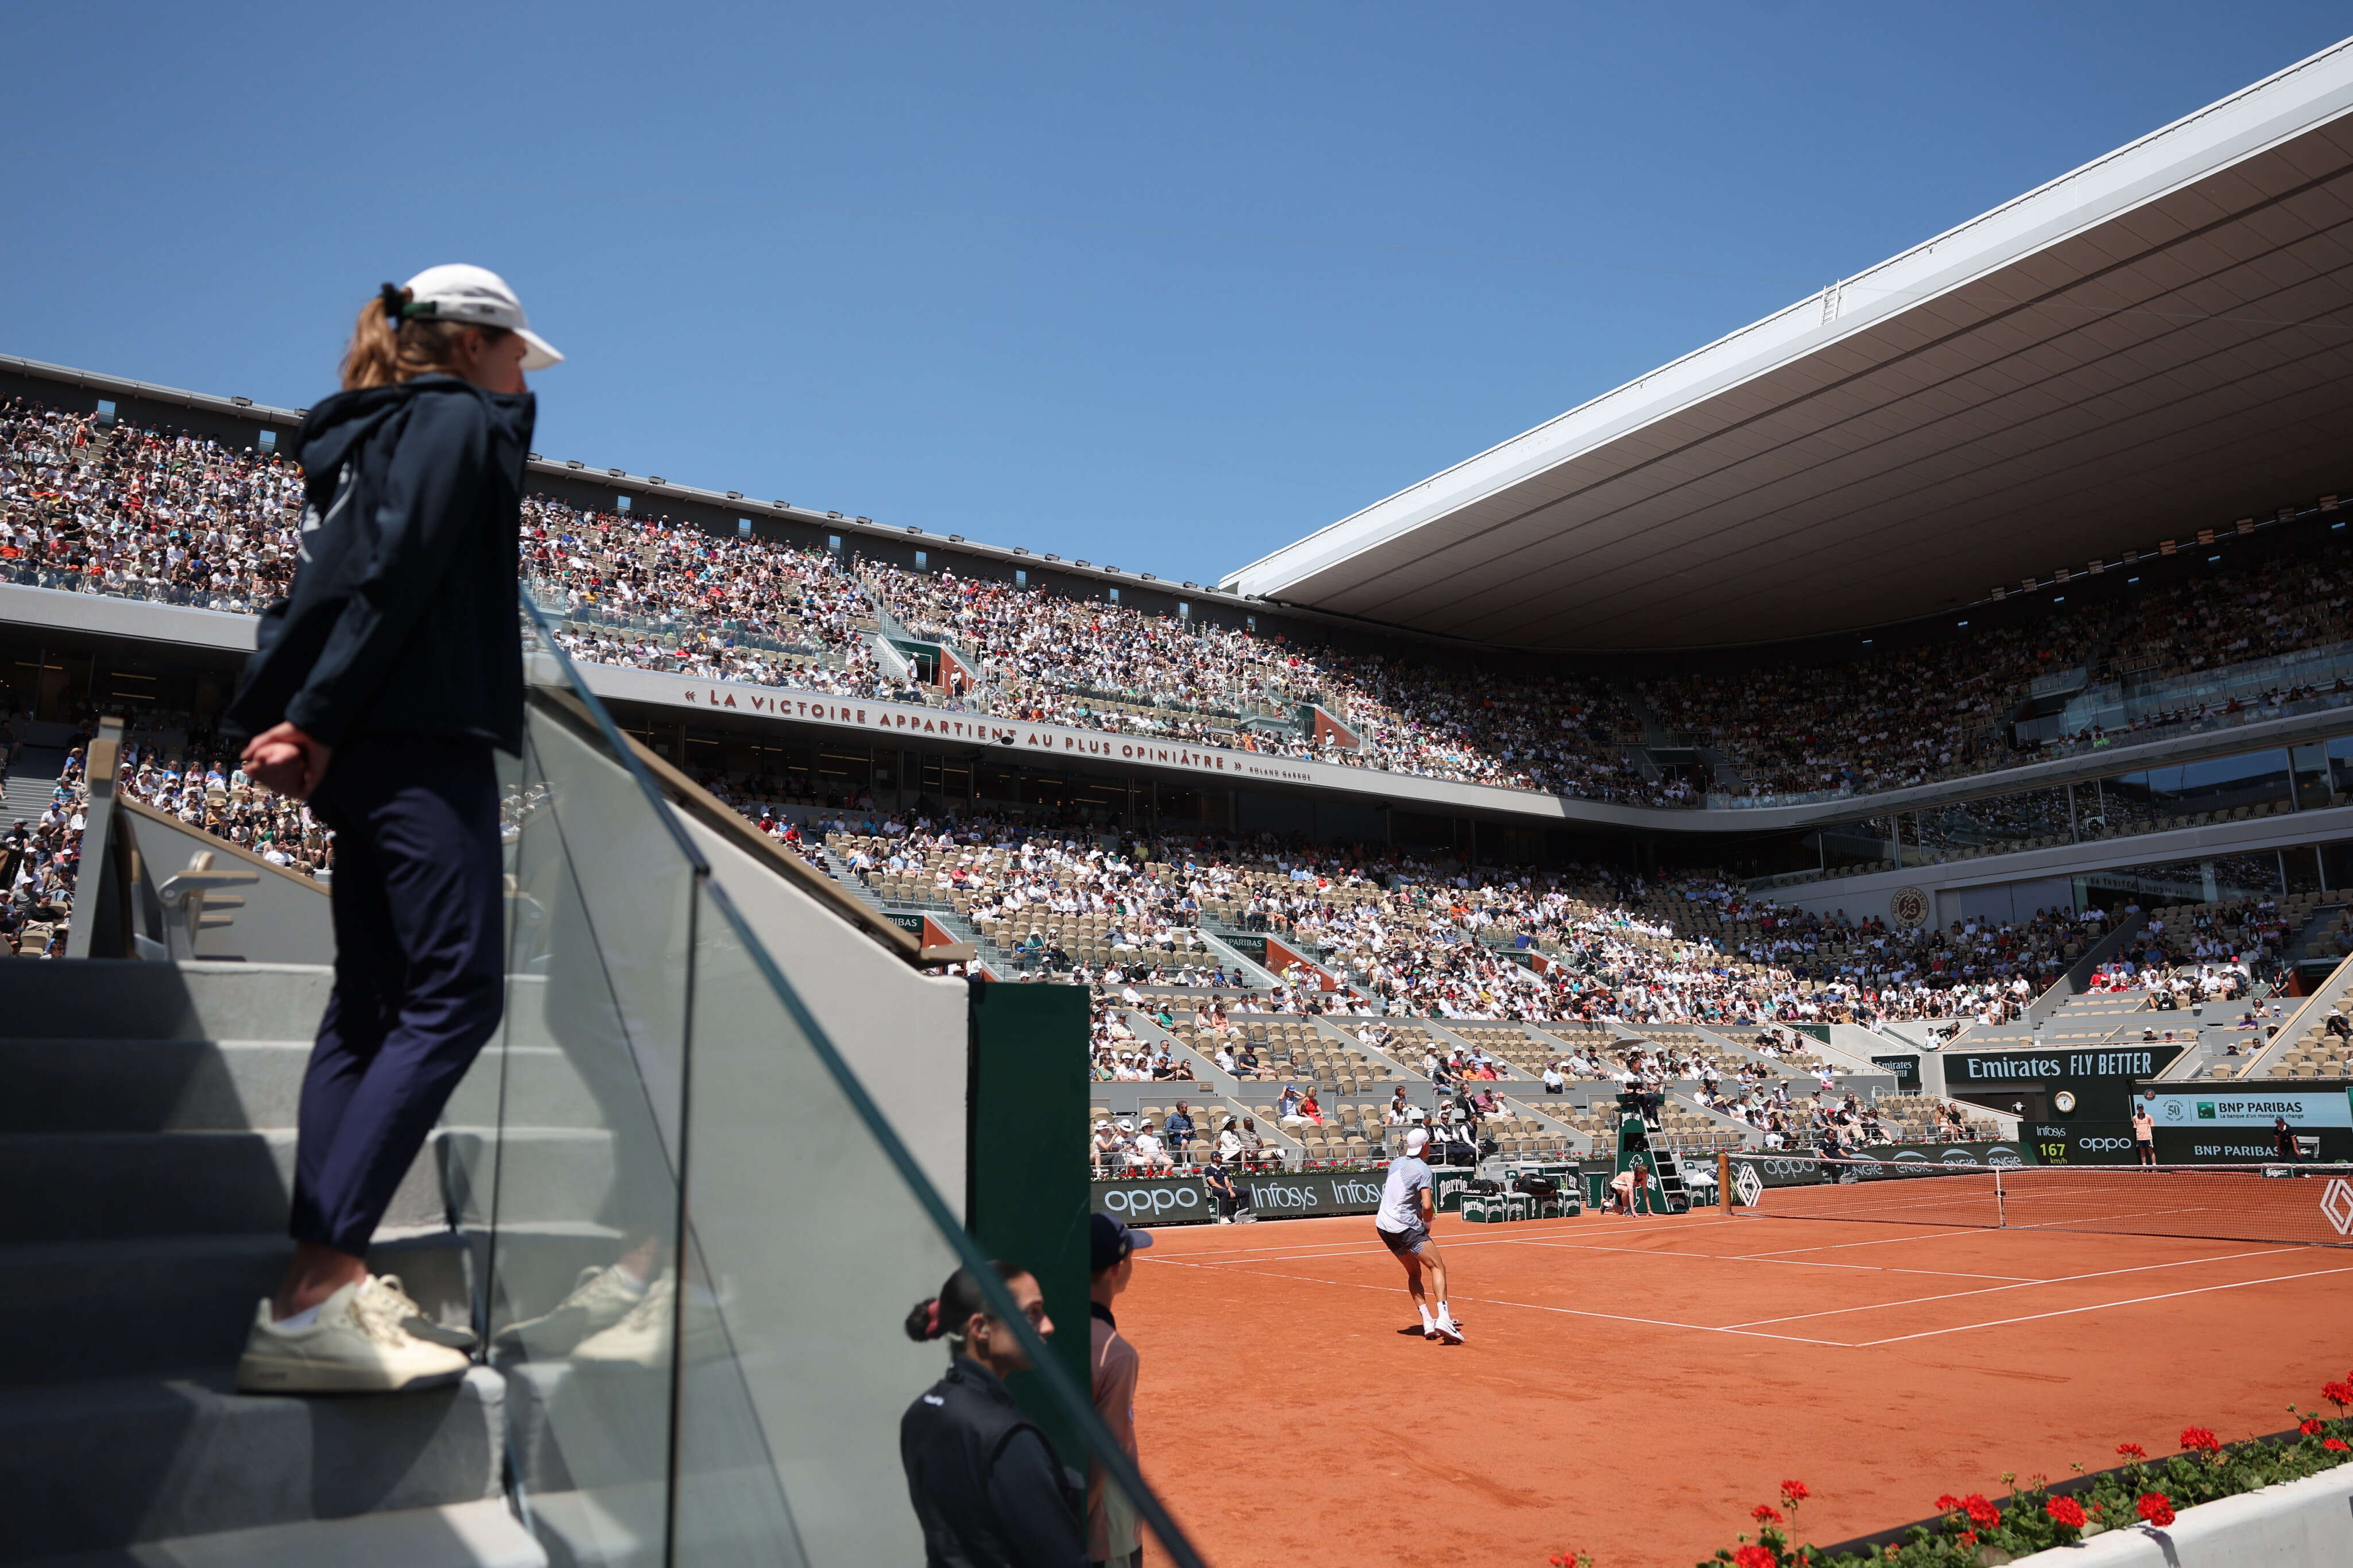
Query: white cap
x=1415, y=1140
x=479, y=296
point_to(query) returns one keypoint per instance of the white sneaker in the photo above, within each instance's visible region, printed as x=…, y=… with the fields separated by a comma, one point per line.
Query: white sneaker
x=642, y=1339
x=382, y=1293
x=599, y=1299
x=1450, y=1331
x=349, y=1348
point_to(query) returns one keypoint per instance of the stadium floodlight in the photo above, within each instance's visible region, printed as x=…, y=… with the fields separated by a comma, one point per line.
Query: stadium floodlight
x=912, y=528
x=1073, y=563
x=657, y=479
x=573, y=463
x=617, y=473
x=955, y=539
x=1019, y=550
x=242, y=402
x=731, y=495
x=834, y=515
x=1148, y=576
x=1052, y=556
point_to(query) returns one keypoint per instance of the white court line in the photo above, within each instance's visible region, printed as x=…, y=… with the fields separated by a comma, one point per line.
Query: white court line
x=1526, y=1305
x=1992, y=1289
x=1783, y=1262
x=2101, y=1307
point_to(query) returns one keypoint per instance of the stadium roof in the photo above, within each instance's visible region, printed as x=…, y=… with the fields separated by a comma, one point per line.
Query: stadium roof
x=2158, y=343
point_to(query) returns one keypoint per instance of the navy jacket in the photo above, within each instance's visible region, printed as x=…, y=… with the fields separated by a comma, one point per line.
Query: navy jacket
x=986, y=1484
x=403, y=614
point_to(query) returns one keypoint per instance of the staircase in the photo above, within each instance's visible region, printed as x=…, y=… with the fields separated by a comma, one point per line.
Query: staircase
x=146, y=1150
x=32, y=781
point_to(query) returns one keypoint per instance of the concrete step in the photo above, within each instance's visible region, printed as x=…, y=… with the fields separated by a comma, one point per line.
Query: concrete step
x=68, y=1186
x=149, y=1086
x=139, y=1086
x=130, y=999
x=98, y=1465
x=158, y=1305
x=482, y=1534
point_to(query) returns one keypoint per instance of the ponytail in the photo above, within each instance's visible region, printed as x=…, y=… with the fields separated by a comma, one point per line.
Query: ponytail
x=946, y=1313
x=388, y=347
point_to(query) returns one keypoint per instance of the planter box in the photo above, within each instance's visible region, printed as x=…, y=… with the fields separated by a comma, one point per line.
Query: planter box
x=2296, y=1524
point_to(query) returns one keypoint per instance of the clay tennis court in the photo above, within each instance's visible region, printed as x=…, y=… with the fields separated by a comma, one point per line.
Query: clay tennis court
x=1634, y=1386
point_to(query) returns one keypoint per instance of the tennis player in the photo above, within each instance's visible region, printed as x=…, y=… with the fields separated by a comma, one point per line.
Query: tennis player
x=1403, y=1223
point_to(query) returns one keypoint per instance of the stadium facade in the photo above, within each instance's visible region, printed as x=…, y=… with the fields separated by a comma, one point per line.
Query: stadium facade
x=2127, y=380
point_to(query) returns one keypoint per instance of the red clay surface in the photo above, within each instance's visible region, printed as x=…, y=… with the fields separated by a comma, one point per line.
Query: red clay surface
x=1634, y=1387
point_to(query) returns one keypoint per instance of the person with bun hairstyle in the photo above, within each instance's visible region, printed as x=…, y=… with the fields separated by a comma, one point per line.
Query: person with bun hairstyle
x=378, y=689
x=986, y=1484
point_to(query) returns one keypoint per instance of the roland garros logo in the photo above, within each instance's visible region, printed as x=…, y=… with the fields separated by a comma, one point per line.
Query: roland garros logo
x=1908, y=906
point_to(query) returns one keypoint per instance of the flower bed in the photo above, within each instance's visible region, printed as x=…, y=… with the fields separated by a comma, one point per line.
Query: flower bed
x=1976, y=1530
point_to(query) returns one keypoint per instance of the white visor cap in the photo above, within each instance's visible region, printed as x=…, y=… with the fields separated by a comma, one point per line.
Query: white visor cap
x=479, y=296
x=1416, y=1140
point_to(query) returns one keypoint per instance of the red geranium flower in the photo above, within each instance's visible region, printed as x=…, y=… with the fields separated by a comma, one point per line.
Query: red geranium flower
x=2338, y=1444
x=1755, y=1557
x=2156, y=1508
x=1766, y=1513
x=2309, y=1425
x=1981, y=1512
x=2199, y=1440
x=2132, y=1451
x=2065, y=1511
x=1948, y=1503
x=1968, y=1538
x=1794, y=1492
x=2341, y=1394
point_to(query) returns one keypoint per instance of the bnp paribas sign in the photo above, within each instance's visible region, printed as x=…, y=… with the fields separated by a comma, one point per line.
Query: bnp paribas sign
x=2205, y=1108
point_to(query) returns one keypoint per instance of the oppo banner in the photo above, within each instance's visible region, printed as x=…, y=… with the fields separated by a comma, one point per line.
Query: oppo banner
x=1284, y=1194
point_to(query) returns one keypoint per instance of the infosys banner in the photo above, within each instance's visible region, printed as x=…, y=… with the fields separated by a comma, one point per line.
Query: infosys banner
x=1285, y=1194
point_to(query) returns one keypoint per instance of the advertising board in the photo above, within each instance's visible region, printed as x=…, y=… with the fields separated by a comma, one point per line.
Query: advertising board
x=2221, y=1125
x=1906, y=1069
x=1282, y=1194
x=2079, y=1143
x=1879, y=1163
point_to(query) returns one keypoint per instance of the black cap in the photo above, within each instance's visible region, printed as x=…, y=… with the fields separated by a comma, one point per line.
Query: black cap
x=1108, y=1241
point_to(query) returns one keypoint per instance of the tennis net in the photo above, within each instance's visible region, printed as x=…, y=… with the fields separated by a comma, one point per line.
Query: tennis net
x=2306, y=1204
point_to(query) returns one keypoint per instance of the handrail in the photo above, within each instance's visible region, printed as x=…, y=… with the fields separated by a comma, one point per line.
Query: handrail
x=229, y=847
x=714, y=813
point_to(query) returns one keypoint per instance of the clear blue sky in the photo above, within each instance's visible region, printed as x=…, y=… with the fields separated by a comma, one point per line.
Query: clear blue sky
x=1161, y=286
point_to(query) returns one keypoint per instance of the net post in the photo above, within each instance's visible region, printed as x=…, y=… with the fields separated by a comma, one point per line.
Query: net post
x=1724, y=1180
x=2001, y=1204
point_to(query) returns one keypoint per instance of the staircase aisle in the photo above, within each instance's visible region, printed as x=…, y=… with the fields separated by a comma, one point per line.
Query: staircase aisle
x=145, y=1152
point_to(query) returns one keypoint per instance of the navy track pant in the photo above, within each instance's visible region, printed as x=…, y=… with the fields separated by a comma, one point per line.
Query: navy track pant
x=420, y=933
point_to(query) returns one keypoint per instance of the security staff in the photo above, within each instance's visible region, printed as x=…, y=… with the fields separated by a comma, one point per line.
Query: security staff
x=379, y=689
x=987, y=1487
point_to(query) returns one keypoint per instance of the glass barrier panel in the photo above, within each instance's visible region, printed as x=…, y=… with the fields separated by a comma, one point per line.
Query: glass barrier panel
x=584, y=1196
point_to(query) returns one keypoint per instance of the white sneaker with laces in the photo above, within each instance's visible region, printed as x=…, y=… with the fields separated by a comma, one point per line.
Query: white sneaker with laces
x=642, y=1339
x=599, y=1299
x=353, y=1346
x=1450, y=1331
x=382, y=1292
